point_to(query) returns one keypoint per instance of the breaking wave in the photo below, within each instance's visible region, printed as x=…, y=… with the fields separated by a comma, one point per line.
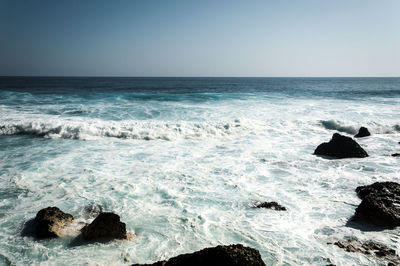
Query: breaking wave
x=142, y=130
x=374, y=127
x=333, y=125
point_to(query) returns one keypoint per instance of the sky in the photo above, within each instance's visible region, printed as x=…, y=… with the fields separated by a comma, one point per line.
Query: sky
x=281, y=38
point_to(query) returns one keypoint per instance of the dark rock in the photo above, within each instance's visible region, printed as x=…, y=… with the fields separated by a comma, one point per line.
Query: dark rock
x=379, y=210
x=370, y=248
x=271, y=205
x=106, y=226
x=341, y=147
x=380, y=188
x=363, y=132
x=396, y=154
x=232, y=255
x=380, y=204
x=50, y=221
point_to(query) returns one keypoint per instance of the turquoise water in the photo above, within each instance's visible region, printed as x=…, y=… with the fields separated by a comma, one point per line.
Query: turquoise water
x=183, y=160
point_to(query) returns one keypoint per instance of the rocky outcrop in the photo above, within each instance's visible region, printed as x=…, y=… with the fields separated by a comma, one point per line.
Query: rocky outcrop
x=341, y=147
x=50, y=222
x=396, y=154
x=370, y=248
x=232, y=255
x=380, y=204
x=379, y=210
x=362, y=132
x=379, y=188
x=106, y=226
x=271, y=205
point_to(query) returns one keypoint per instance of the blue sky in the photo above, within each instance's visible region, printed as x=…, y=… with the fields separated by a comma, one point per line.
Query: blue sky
x=200, y=38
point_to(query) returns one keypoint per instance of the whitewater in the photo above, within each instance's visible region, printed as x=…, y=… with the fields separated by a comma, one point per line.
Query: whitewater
x=183, y=161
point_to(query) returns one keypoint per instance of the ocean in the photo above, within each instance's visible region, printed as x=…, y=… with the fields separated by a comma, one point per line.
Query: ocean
x=183, y=161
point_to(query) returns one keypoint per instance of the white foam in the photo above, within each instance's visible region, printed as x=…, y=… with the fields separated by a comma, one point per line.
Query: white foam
x=86, y=129
x=195, y=190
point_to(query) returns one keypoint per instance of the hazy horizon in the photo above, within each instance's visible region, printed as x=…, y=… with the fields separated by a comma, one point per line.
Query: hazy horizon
x=272, y=77
x=200, y=39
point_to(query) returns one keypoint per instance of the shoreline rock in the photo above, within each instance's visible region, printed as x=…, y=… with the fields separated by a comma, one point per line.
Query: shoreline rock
x=271, y=205
x=107, y=225
x=362, y=132
x=51, y=221
x=370, y=248
x=341, y=147
x=380, y=204
x=231, y=255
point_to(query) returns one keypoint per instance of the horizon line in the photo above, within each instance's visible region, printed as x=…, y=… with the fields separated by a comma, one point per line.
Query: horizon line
x=115, y=76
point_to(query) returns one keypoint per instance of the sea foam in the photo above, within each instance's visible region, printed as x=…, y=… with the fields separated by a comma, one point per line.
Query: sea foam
x=143, y=130
x=210, y=156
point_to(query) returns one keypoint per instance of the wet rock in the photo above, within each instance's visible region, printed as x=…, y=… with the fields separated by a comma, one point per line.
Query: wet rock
x=50, y=222
x=379, y=210
x=271, y=205
x=106, y=226
x=380, y=204
x=362, y=132
x=370, y=248
x=341, y=147
x=391, y=189
x=396, y=154
x=232, y=255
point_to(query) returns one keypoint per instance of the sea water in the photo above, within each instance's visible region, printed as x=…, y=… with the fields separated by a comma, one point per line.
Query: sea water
x=184, y=160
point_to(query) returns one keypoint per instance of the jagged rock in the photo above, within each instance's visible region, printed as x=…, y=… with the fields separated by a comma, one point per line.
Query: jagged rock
x=370, y=248
x=380, y=188
x=50, y=221
x=396, y=154
x=232, y=255
x=362, y=132
x=341, y=147
x=379, y=210
x=271, y=205
x=106, y=226
x=380, y=204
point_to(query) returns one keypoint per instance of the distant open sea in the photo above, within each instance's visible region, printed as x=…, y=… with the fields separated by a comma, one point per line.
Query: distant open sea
x=184, y=160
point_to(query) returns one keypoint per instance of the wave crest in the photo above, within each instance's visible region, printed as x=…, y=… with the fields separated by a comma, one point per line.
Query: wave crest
x=148, y=130
x=374, y=127
x=334, y=125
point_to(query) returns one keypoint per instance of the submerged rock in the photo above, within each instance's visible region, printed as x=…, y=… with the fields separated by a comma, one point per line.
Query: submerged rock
x=370, y=248
x=362, y=132
x=341, y=147
x=50, y=222
x=380, y=204
x=232, y=255
x=271, y=205
x=396, y=154
x=91, y=211
x=106, y=226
